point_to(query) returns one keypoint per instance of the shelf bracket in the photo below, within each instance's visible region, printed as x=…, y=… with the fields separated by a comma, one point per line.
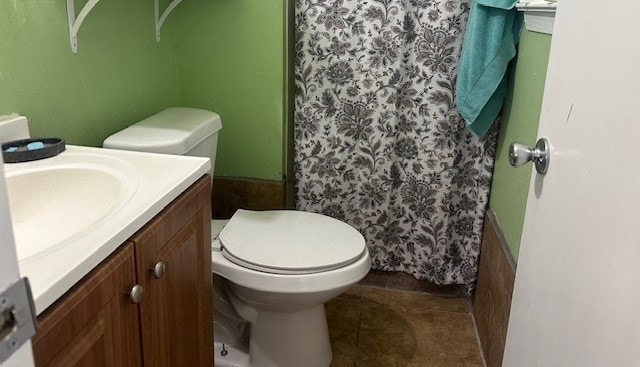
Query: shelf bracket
x=76, y=22
x=161, y=18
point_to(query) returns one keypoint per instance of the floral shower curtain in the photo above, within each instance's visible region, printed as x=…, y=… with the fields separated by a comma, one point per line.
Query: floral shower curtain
x=378, y=141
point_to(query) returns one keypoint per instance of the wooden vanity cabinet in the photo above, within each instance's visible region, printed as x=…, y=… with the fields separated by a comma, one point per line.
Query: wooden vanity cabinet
x=96, y=324
x=176, y=312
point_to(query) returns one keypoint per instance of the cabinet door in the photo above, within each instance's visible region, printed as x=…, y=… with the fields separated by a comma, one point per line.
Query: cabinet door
x=176, y=311
x=94, y=324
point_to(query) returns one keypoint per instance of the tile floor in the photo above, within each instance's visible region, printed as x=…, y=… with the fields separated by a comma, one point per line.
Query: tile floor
x=376, y=326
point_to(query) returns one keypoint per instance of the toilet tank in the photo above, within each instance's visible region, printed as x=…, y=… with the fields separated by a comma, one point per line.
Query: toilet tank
x=177, y=131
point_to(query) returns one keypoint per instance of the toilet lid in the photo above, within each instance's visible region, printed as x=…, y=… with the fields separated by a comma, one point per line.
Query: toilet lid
x=290, y=242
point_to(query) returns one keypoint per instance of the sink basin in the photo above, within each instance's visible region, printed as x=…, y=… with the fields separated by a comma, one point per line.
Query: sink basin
x=52, y=205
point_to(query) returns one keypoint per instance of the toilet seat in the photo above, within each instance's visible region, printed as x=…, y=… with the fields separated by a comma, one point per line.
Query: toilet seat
x=290, y=242
x=275, y=270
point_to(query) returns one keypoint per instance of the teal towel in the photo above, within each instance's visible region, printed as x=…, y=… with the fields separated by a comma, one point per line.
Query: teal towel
x=493, y=30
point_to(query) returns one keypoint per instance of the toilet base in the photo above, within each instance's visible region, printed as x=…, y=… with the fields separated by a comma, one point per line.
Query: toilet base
x=287, y=339
x=280, y=339
x=229, y=356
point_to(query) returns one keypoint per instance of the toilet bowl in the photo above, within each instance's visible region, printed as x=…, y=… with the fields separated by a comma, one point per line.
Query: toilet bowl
x=279, y=268
x=273, y=270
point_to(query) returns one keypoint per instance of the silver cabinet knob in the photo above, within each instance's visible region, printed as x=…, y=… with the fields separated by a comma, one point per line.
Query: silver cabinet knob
x=520, y=154
x=158, y=269
x=135, y=295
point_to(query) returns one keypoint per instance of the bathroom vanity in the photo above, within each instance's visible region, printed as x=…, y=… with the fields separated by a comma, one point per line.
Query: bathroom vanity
x=104, y=319
x=117, y=248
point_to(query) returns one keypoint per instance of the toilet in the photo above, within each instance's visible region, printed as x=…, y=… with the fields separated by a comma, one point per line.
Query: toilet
x=273, y=270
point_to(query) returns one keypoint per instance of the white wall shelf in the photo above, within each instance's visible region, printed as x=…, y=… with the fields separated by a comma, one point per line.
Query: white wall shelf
x=539, y=15
x=161, y=18
x=76, y=21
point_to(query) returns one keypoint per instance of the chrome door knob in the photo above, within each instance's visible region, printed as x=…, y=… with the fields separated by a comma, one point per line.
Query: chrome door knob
x=135, y=295
x=158, y=269
x=520, y=154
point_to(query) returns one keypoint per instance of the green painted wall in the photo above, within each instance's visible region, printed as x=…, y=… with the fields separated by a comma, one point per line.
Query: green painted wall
x=119, y=75
x=231, y=60
x=520, y=116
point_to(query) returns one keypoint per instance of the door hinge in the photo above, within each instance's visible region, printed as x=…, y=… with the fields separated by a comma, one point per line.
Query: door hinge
x=17, y=318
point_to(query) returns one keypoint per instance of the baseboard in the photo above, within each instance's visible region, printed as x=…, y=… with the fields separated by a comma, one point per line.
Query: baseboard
x=492, y=298
x=232, y=193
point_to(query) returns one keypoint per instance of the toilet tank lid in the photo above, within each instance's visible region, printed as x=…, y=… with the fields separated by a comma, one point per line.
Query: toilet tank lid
x=173, y=131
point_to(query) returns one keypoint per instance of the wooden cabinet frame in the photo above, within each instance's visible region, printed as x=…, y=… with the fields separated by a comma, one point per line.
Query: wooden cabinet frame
x=95, y=323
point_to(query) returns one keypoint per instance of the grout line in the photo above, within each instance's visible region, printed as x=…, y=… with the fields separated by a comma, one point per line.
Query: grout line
x=475, y=329
x=413, y=291
x=431, y=310
x=355, y=357
x=395, y=280
x=422, y=308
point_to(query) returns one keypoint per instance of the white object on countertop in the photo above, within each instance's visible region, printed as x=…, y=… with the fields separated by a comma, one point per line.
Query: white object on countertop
x=13, y=127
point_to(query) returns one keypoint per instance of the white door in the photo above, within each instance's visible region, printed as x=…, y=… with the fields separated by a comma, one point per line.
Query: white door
x=9, y=274
x=576, y=300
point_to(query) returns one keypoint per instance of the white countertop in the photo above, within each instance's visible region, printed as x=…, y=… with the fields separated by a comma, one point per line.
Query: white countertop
x=159, y=179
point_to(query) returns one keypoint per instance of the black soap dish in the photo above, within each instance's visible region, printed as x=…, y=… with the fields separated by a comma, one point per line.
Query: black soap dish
x=26, y=150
